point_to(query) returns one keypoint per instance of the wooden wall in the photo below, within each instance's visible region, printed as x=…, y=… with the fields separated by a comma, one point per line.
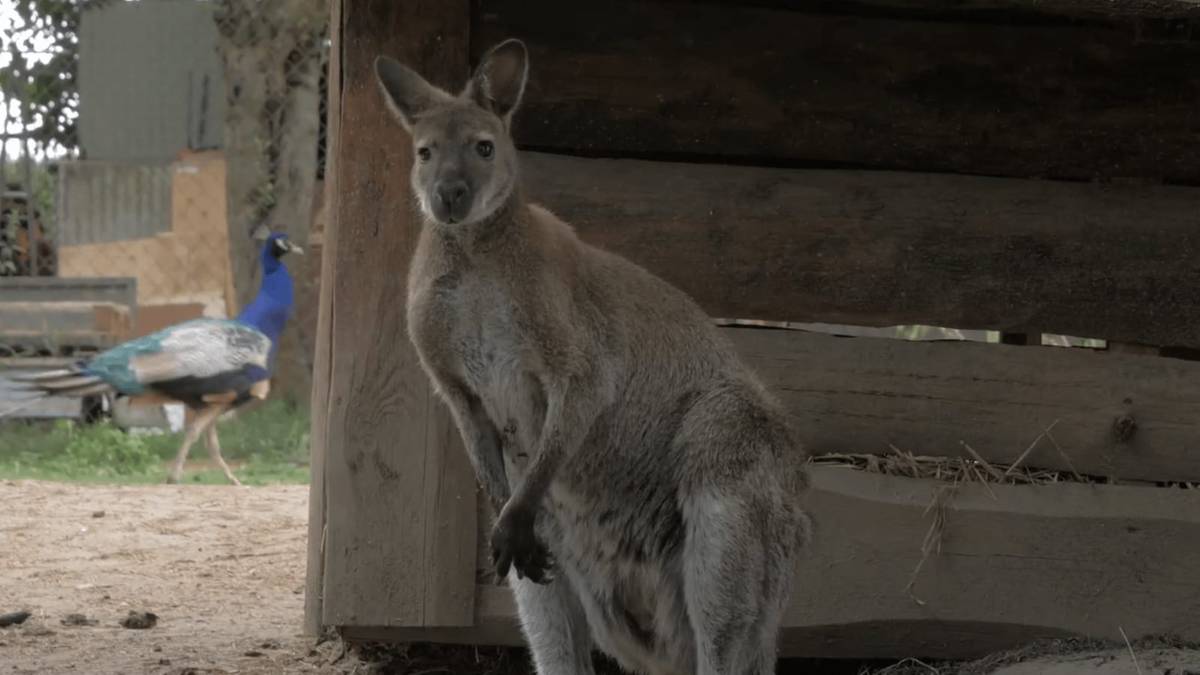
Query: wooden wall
x=189, y=262
x=969, y=164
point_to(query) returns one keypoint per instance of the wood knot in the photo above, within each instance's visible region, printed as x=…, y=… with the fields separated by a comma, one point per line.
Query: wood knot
x=1124, y=426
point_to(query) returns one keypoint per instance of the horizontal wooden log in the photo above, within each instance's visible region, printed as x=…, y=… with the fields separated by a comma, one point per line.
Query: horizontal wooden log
x=864, y=395
x=1056, y=99
x=868, y=395
x=1015, y=564
x=52, y=407
x=884, y=248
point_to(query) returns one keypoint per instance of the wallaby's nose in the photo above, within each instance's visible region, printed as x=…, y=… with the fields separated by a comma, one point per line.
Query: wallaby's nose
x=452, y=193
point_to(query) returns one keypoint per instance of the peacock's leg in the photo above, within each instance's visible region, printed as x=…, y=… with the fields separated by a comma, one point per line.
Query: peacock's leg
x=205, y=418
x=214, y=449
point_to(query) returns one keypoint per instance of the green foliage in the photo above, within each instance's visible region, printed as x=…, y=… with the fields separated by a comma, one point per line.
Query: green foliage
x=44, y=192
x=267, y=445
x=106, y=451
x=42, y=46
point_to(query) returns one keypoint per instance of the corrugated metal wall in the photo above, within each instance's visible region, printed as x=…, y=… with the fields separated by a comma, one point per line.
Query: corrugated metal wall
x=112, y=201
x=150, y=80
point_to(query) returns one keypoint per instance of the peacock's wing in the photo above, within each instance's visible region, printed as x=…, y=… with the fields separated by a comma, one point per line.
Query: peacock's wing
x=201, y=350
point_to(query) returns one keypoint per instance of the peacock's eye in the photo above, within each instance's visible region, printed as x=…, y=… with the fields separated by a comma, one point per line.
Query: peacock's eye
x=424, y=153
x=485, y=149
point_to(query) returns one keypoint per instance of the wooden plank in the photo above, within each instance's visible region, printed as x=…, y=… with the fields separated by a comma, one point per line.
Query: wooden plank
x=863, y=395
x=1016, y=564
x=49, y=318
x=52, y=407
x=495, y=624
x=451, y=526
x=885, y=248
x=1055, y=99
x=121, y=290
x=323, y=351
x=392, y=493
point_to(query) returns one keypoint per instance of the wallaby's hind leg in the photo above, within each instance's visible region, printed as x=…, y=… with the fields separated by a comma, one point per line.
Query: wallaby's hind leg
x=214, y=450
x=736, y=582
x=554, y=626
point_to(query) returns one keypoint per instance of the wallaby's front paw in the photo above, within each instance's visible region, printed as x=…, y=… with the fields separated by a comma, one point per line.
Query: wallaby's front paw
x=515, y=545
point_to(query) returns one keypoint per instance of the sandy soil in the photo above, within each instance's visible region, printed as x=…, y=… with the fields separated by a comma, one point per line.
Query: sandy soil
x=223, y=570
x=221, y=567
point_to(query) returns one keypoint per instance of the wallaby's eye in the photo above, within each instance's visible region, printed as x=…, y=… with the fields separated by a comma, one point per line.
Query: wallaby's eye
x=485, y=149
x=424, y=153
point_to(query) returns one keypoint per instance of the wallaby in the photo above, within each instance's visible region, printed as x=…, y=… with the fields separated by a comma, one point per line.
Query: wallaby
x=645, y=482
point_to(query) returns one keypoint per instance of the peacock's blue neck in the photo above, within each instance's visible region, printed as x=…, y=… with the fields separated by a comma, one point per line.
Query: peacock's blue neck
x=270, y=309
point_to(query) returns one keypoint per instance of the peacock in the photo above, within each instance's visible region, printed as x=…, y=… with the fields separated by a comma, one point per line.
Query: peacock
x=210, y=365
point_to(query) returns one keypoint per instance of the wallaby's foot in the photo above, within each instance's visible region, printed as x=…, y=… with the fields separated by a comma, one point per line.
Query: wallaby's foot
x=172, y=479
x=515, y=545
x=233, y=479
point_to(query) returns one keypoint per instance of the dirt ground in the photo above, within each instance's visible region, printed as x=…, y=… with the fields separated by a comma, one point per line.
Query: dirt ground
x=221, y=567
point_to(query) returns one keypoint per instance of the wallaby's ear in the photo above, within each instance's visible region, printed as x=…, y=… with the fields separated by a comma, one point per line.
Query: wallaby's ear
x=499, y=81
x=407, y=93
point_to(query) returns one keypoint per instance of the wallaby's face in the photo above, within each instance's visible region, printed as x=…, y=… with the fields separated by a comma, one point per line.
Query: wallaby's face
x=465, y=163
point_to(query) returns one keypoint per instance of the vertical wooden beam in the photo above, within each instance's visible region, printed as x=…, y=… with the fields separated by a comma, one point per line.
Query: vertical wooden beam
x=400, y=497
x=323, y=351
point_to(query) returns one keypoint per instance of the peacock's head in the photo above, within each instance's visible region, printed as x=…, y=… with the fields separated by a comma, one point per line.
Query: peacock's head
x=275, y=244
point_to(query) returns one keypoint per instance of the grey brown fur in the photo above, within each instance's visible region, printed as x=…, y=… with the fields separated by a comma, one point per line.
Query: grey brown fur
x=645, y=482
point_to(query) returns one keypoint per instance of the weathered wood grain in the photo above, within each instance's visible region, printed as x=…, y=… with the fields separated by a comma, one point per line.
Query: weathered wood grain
x=884, y=248
x=396, y=487
x=1016, y=564
x=450, y=507
x=1055, y=99
x=323, y=354
x=863, y=395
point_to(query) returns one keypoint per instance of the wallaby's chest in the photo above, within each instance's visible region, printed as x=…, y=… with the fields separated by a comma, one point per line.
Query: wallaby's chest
x=475, y=321
x=473, y=327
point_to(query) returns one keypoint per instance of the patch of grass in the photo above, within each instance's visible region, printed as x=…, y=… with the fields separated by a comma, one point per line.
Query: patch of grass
x=265, y=445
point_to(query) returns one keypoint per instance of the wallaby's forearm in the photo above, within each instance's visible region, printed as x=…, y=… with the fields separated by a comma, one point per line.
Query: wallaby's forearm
x=570, y=413
x=483, y=443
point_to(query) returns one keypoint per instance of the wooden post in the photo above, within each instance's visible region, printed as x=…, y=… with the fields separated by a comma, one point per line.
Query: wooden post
x=393, y=531
x=323, y=351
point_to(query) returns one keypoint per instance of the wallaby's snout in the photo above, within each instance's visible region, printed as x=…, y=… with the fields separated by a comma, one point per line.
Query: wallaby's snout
x=453, y=202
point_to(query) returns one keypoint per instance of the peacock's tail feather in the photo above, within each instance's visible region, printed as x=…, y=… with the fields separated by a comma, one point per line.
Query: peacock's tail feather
x=43, y=375
x=66, y=382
